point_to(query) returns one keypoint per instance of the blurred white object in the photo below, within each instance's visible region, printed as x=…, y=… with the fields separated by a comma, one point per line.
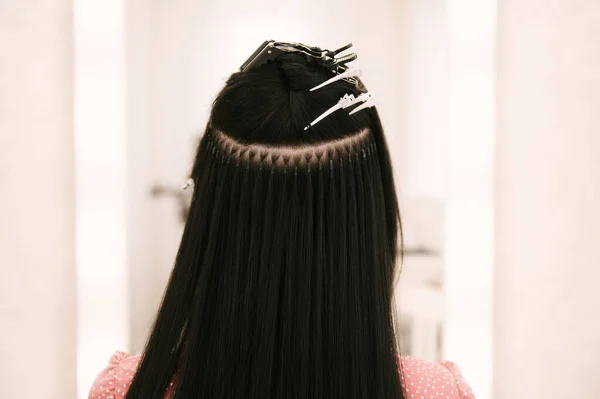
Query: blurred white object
x=423, y=225
x=419, y=292
x=419, y=301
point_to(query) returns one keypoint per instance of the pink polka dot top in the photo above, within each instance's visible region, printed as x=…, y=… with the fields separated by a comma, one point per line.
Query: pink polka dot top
x=420, y=379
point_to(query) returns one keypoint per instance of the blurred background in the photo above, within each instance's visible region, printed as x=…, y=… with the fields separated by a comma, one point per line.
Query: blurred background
x=491, y=109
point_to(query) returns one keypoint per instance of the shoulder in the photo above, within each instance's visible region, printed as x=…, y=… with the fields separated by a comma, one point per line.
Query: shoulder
x=113, y=382
x=420, y=379
x=423, y=380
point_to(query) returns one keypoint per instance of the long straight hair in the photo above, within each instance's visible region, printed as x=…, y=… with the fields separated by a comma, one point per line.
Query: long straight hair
x=282, y=285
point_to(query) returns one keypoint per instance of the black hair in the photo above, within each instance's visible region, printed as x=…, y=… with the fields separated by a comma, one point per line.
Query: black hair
x=282, y=285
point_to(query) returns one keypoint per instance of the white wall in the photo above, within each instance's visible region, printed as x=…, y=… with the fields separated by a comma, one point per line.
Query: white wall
x=547, y=324
x=469, y=228
x=426, y=95
x=37, y=217
x=420, y=155
x=103, y=313
x=142, y=297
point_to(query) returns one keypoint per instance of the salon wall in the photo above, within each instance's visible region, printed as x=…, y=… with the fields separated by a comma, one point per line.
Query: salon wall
x=423, y=153
x=37, y=215
x=547, y=324
x=101, y=169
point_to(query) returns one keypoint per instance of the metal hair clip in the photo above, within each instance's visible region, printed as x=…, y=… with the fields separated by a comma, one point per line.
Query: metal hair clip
x=331, y=60
x=346, y=101
x=271, y=49
x=349, y=73
x=367, y=102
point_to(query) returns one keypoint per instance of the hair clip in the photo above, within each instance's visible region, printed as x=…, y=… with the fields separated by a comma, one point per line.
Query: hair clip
x=346, y=101
x=367, y=102
x=350, y=73
x=270, y=50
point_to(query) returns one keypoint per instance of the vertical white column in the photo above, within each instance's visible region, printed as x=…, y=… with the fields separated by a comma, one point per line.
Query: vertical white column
x=547, y=298
x=469, y=223
x=37, y=213
x=426, y=60
x=141, y=249
x=103, y=316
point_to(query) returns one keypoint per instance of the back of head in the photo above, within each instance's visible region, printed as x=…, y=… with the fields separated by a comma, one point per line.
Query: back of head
x=282, y=284
x=272, y=104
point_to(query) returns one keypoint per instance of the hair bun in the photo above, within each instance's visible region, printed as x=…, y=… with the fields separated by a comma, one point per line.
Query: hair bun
x=300, y=74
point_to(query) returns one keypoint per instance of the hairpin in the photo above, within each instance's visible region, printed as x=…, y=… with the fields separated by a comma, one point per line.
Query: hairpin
x=350, y=73
x=367, y=102
x=346, y=101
